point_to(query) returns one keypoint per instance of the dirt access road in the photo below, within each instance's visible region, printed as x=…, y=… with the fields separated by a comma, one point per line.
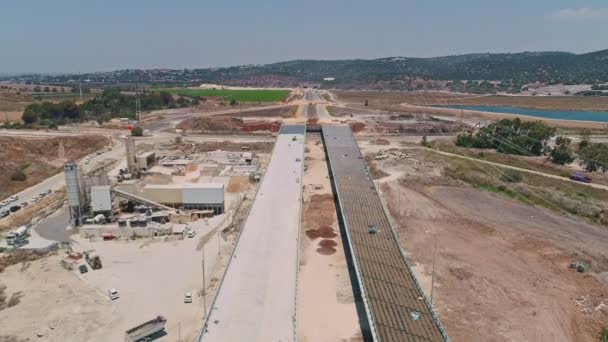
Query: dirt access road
x=502, y=267
x=326, y=303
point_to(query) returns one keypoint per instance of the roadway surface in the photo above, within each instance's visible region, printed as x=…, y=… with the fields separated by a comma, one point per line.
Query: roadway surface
x=396, y=308
x=256, y=298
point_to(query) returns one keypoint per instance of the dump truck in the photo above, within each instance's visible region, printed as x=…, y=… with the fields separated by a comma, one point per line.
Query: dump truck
x=93, y=259
x=140, y=332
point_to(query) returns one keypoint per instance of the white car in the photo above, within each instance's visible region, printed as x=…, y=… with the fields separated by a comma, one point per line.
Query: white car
x=188, y=297
x=3, y=203
x=113, y=294
x=13, y=198
x=191, y=233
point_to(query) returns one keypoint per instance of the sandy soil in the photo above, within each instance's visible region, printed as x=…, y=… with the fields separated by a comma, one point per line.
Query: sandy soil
x=326, y=309
x=55, y=305
x=501, y=267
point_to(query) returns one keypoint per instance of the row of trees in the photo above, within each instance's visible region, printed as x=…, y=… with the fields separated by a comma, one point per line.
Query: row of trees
x=532, y=139
x=512, y=137
x=109, y=104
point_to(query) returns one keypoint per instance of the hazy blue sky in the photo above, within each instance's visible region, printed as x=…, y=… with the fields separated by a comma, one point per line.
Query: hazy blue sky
x=76, y=36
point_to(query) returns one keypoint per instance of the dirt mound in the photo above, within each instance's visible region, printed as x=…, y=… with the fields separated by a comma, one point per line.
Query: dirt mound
x=326, y=250
x=327, y=243
x=283, y=112
x=263, y=147
x=357, y=127
x=325, y=232
x=381, y=142
x=211, y=123
x=237, y=184
x=265, y=126
x=323, y=208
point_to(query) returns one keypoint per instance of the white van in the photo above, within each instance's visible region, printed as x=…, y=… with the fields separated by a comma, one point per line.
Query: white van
x=113, y=294
x=188, y=297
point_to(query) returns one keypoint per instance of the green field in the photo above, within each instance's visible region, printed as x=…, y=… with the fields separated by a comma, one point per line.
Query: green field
x=237, y=95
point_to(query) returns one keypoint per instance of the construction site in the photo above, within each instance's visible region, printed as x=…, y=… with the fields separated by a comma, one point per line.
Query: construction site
x=310, y=220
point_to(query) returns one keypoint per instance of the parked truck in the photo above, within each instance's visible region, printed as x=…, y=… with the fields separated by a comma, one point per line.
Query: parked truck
x=580, y=177
x=93, y=259
x=142, y=331
x=16, y=236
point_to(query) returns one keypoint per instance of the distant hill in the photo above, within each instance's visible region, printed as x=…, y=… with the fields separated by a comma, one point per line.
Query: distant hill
x=512, y=69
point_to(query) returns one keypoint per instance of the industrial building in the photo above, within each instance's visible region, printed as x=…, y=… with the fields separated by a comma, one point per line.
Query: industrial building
x=204, y=196
x=101, y=200
x=146, y=160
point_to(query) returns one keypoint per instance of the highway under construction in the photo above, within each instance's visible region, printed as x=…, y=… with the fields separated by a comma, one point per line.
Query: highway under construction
x=395, y=306
x=255, y=300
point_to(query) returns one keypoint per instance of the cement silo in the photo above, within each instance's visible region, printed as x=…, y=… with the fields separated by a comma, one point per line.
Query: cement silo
x=75, y=192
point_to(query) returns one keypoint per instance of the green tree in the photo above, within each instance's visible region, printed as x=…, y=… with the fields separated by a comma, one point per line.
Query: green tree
x=585, y=138
x=594, y=157
x=233, y=102
x=29, y=117
x=137, y=131
x=37, y=89
x=46, y=89
x=561, y=154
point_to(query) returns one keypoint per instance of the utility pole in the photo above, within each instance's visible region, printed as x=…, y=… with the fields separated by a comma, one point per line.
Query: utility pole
x=399, y=204
x=204, y=286
x=137, y=103
x=218, y=242
x=80, y=88
x=433, y=276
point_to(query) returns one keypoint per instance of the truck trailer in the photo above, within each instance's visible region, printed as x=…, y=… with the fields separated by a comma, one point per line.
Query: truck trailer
x=146, y=329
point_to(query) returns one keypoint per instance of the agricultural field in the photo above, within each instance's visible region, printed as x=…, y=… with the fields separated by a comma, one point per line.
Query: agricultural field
x=256, y=95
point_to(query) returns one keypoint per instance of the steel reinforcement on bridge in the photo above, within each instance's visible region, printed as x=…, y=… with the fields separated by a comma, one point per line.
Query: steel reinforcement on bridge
x=396, y=308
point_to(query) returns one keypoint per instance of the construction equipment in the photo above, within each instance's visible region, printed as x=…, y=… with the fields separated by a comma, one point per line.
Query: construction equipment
x=93, y=259
x=146, y=329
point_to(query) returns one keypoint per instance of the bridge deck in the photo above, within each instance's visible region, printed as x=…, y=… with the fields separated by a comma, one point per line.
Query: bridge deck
x=389, y=289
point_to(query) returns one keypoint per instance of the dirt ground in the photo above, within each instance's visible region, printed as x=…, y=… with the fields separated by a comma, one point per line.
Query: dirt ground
x=259, y=147
x=227, y=123
x=41, y=157
x=73, y=314
x=502, y=268
x=427, y=98
x=8, y=116
x=326, y=306
x=418, y=102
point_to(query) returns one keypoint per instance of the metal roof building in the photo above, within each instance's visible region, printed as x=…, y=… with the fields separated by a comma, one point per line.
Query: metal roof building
x=188, y=195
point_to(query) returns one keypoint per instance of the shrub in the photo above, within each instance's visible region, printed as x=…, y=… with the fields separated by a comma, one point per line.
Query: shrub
x=137, y=131
x=18, y=176
x=511, y=176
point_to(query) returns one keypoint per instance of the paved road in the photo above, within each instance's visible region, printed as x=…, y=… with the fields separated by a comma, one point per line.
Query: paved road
x=256, y=300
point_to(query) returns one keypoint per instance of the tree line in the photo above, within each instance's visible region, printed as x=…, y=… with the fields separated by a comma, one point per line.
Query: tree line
x=111, y=103
x=531, y=138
